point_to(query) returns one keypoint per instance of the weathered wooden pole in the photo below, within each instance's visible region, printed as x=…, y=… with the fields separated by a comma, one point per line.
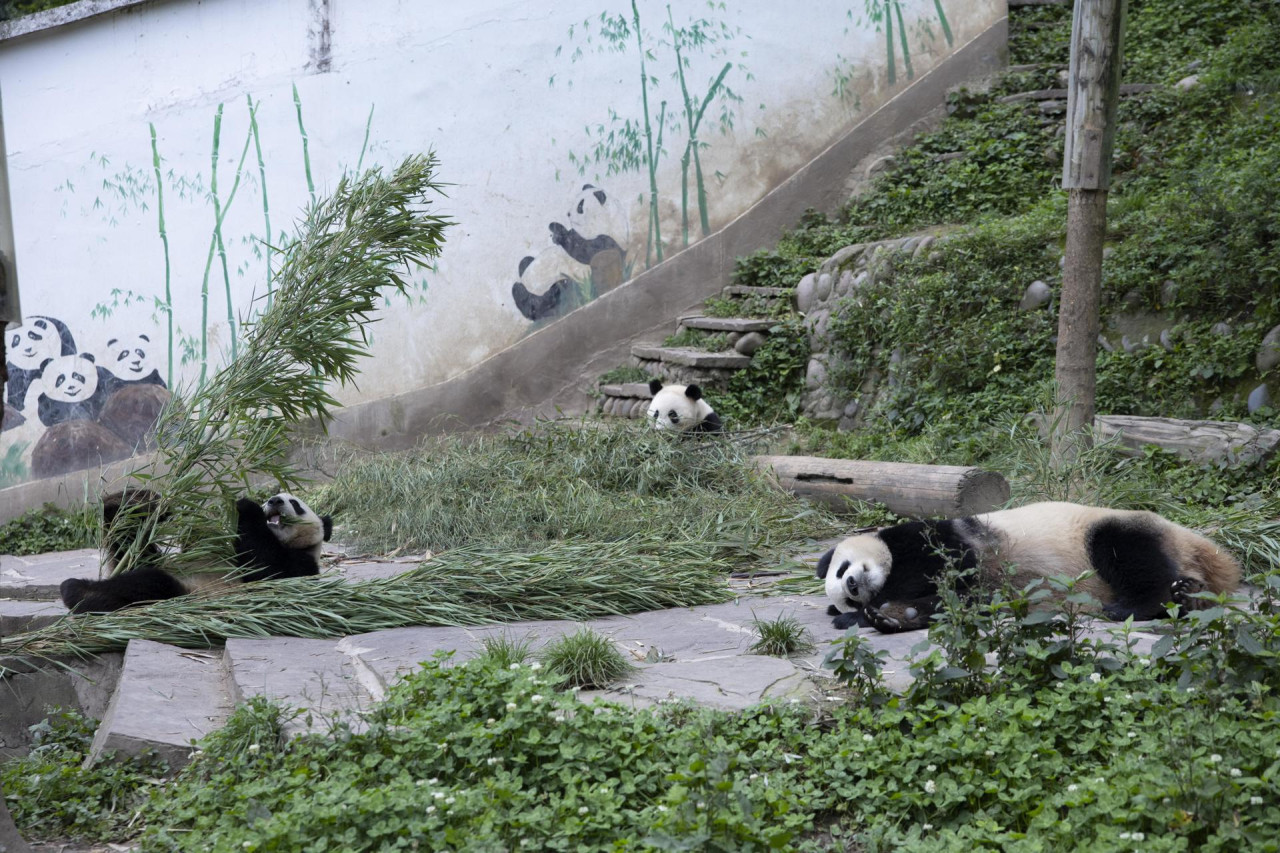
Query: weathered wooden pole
x=1092, y=95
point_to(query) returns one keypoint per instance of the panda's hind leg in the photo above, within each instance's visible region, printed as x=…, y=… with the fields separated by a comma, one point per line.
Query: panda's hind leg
x=1131, y=555
x=120, y=591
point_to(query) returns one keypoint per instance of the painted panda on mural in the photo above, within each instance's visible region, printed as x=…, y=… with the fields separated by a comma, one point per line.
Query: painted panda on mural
x=1137, y=561
x=587, y=250
x=70, y=389
x=127, y=361
x=28, y=348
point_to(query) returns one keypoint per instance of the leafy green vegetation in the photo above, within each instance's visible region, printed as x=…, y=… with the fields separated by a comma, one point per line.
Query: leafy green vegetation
x=10, y=9
x=39, y=531
x=780, y=637
x=627, y=373
x=699, y=339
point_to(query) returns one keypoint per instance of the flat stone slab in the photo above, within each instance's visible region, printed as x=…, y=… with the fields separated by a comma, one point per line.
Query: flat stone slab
x=728, y=324
x=166, y=698
x=366, y=569
x=313, y=676
x=627, y=389
x=692, y=357
x=18, y=615
x=731, y=683
x=38, y=577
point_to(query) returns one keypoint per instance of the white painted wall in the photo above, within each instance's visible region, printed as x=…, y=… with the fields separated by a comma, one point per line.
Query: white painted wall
x=505, y=92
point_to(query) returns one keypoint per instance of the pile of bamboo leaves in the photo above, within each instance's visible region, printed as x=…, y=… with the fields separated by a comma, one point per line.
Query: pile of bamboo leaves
x=468, y=586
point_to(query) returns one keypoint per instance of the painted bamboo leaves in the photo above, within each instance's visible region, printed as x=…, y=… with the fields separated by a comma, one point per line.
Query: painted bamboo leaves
x=886, y=16
x=623, y=144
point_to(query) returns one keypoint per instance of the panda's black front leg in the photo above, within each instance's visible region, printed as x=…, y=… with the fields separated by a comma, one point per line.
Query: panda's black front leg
x=855, y=618
x=893, y=617
x=257, y=548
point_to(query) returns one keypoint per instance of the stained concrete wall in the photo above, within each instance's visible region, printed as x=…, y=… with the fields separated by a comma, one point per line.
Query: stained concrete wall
x=113, y=106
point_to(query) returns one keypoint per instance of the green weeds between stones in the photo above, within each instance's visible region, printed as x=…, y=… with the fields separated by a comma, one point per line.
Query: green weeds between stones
x=586, y=659
x=781, y=637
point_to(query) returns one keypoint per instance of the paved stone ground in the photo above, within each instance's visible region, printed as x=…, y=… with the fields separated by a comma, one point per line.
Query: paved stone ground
x=163, y=697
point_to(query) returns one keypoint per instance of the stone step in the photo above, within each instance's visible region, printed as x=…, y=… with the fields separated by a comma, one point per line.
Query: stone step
x=166, y=698
x=691, y=357
x=314, y=677
x=21, y=615
x=767, y=292
x=741, y=325
x=638, y=390
x=1061, y=94
x=37, y=578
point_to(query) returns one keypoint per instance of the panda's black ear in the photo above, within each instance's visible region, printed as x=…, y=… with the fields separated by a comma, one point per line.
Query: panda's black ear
x=87, y=356
x=45, y=363
x=327, y=522
x=693, y=392
x=600, y=196
x=655, y=385
x=824, y=564
x=524, y=263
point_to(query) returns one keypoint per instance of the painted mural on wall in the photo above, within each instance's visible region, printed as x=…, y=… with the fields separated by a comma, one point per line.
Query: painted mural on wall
x=588, y=142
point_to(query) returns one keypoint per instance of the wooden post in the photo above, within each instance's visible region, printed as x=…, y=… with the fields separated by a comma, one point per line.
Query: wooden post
x=1092, y=95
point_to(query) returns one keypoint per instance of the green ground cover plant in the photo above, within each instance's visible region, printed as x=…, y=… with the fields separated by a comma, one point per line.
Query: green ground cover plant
x=50, y=528
x=586, y=659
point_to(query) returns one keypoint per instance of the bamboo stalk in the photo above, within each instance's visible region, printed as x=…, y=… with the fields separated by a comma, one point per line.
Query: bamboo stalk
x=262, y=179
x=648, y=134
x=164, y=238
x=306, y=153
x=902, y=37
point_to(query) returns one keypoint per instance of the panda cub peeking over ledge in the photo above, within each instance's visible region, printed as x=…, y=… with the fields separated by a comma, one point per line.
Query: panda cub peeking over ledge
x=1140, y=562
x=279, y=539
x=681, y=408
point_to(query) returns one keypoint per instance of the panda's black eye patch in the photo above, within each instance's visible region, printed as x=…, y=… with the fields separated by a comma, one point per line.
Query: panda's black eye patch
x=844, y=567
x=580, y=203
x=297, y=507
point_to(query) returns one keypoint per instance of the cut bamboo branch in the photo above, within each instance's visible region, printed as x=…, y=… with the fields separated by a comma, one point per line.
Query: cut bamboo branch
x=907, y=489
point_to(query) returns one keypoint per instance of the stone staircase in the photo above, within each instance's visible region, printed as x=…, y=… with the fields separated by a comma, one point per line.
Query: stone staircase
x=743, y=335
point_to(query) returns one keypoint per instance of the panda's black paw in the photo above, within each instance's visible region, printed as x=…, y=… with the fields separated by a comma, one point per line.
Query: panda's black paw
x=1183, y=591
x=249, y=510
x=883, y=622
x=72, y=590
x=852, y=619
x=832, y=610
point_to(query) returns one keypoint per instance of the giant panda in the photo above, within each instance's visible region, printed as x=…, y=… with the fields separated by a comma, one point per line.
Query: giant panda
x=28, y=348
x=585, y=247
x=681, y=408
x=279, y=539
x=127, y=362
x=1139, y=560
x=72, y=387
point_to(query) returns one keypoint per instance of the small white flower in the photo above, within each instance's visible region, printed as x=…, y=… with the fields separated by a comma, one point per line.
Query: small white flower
x=981, y=729
x=1255, y=801
x=754, y=776
x=514, y=666
x=931, y=767
x=490, y=721
x=535, y=698
x=1215, y=758
x=511, y=706
x=1235, y=772
x=990, y=753
x=868, y=738
x=246, y=845
x=535, y=666
x=1145, y=661
x=493, y=761
x=430, y=809
x=1095, y=677
x=1191, y=690
x=1133, y=734
x=927, y=827
x=559, y=718
x=253, y=747
x=448, y=801
x=1106, y=699
x=439, y=795
x=701, y=804
x=1071, y=789
x=583, y=810
x=930, y=786
x=1138, y=836
x=1125, y=836
x=433, y=781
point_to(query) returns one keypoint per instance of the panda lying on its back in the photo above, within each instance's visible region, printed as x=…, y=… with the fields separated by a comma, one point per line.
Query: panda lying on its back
x=681, y=408
x=279, y=539
x=1140, y=562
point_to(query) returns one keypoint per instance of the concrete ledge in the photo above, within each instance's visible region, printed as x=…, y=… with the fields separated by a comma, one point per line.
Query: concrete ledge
x=543, y=374
x=69, y=491
x=63, y=15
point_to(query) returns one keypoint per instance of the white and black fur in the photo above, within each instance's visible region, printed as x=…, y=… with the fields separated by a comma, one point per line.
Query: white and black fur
x=72, y=387
x=279, y=539
x=127, y=361
x=681, y=408
x=29, y=348
x=1140, y=562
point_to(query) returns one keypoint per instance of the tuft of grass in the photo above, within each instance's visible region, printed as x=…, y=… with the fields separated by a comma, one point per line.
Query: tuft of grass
x=50, y=528
x=564, y=481
x=781, y=637
x=699, y=339
x=622, y=375
x=504, y=650
x=586, y=659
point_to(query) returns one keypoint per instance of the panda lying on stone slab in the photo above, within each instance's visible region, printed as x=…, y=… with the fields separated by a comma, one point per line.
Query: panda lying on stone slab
x=279, y=539
x=1140, y=562
x=681, y=408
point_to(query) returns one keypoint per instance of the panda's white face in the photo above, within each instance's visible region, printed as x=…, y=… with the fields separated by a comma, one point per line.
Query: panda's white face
x=70, y=378
x=677, y=407
x=594, y=213
x=33, y=343
x=294, y=523
x=128, y=357
x=857, y=571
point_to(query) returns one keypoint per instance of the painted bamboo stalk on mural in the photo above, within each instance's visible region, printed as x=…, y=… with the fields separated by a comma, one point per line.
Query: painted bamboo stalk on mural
x=164, y=239
x=882, y=14
x=655, y=226
x=306, y=150
x=267, y=242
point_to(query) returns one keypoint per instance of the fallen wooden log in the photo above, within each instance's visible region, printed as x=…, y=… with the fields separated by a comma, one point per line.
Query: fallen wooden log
x=907, y=489
x=1206, y=442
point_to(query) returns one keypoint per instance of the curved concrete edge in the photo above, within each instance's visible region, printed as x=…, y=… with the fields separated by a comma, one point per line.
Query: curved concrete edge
x=69, y=491
x=542, y=374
